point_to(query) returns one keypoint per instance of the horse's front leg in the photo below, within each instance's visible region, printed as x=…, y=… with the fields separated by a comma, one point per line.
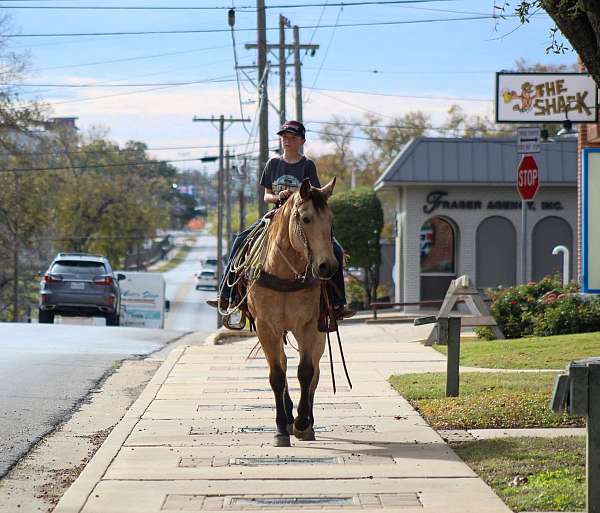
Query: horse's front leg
x=311, y=345
x=272, y=345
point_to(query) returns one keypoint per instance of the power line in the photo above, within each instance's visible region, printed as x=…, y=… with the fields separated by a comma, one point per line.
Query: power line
x=213, y=31
x=428, y=127
x=104, y=84
x=419, y=72
x=425, y=97
x=337, y=20
x=120, y=150
x=95, y=166
x=246, y=8
x=129, y=59
x=210, y=81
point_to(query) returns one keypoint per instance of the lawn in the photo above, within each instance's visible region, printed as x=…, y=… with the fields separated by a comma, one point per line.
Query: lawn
x=181, y=255
x=531, y=474
x=528, y=353
x=487, y=400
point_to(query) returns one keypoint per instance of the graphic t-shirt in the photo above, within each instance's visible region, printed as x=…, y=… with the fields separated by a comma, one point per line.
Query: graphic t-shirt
x=279, y=174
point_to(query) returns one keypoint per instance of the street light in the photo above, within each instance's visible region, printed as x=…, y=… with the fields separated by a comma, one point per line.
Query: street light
x=567, y=129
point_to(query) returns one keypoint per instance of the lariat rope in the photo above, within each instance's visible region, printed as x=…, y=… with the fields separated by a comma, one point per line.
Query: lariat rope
x=251, y=256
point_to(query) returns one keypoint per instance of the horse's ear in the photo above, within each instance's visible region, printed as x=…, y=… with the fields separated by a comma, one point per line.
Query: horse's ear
x=327, y=190
x=305, y=189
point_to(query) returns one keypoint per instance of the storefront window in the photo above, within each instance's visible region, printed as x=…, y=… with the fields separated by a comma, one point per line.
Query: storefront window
x=437, y=246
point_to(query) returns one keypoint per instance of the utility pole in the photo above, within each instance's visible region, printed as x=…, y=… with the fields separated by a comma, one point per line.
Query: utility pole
x=221, y=171
x=16, y=248
x=228, y=201
x=242, y=196
x=262, y=65
x=263, y=120
x=298, y=73
x=283, y=22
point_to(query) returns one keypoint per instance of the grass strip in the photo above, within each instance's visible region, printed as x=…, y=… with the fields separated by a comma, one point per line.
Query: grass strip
x=181, y=255
x=531, y=474
x=527, y=353
x=488, y=400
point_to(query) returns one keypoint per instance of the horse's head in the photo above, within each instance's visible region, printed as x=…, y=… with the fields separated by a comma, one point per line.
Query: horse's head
x=310, y=230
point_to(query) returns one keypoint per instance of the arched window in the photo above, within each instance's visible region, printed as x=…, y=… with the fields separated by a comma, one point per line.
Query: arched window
x=437, y=247
x=496, y=242
x=438, y=257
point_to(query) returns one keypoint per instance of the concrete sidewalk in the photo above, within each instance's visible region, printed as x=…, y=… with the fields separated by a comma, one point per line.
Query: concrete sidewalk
x=199, y=438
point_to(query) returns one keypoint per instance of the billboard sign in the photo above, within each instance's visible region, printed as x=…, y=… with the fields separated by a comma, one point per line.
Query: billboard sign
x=590, y=225
x=545, y=98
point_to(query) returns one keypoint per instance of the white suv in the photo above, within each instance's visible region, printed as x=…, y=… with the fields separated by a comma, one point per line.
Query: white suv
x=207, y=279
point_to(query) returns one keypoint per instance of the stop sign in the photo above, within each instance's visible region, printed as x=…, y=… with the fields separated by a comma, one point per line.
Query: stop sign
x=528, y=178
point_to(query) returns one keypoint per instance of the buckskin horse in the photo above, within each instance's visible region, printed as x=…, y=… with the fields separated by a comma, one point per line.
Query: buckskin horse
x=286, y=298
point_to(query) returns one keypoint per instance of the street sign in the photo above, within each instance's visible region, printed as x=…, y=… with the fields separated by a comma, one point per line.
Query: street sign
x=528, y=178
x=528, y=140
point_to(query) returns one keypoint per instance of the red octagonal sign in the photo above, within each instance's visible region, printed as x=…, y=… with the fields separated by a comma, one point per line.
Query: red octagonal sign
x=528, y=178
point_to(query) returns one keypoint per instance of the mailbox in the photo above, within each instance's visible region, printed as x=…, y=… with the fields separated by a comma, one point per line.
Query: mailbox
x=571, y=391
x=560, y=396
x=578, y=392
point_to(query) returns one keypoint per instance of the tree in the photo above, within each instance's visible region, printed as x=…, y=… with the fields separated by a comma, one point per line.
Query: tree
x=339, y=163
x=579, y=22
x=388, y=140
x=358, y=220
x=112, y=199
x=23, y=203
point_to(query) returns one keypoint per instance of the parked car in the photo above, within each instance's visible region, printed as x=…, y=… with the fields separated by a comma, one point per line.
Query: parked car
x=211, y=262
x=207, y=279
x=80, y=284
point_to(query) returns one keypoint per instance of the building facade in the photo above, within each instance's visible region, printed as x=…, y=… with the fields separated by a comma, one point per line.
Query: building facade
x=458, y=212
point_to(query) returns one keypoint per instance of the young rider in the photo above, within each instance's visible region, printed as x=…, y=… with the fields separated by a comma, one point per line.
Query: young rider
x=281, y=177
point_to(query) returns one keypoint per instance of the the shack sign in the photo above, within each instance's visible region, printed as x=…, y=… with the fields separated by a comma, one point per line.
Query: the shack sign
x=546, y=98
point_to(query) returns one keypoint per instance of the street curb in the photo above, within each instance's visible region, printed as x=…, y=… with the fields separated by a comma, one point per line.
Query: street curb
x=76, y=496
x=222, y=336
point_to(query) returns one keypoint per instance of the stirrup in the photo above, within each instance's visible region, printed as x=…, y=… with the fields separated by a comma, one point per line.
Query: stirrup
x=237, y=327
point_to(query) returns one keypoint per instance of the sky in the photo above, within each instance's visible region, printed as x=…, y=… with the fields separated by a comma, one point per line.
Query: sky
x=400, y=59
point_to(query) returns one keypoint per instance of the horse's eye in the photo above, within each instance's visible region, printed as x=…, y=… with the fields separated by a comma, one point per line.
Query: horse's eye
x=306, y=220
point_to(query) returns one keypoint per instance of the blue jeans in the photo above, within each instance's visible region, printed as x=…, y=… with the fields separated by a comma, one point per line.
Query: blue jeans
x=338, y=297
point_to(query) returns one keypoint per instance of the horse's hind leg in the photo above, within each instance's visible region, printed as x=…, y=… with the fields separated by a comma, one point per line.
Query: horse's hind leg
x=287, y=400
x=271, y=343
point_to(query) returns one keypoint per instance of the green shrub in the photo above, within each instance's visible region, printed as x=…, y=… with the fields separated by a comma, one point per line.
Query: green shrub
x=569, y=314
x=516, y=309
x=355, y=294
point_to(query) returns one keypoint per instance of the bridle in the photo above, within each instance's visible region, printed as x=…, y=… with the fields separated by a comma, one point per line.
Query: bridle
x=308, y=255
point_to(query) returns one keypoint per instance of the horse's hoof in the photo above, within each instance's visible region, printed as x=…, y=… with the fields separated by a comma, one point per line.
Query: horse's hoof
x=308, y=435
x=290, y=429
x=282, y=441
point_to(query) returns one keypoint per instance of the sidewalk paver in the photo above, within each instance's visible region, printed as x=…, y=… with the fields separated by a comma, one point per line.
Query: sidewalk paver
x=200, y=439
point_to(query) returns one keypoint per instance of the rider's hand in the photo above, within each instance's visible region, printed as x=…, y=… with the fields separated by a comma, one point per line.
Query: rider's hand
x=283, y=195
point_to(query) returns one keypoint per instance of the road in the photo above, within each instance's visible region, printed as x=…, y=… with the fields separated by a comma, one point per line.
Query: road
x=189, y=312
x=46, y=370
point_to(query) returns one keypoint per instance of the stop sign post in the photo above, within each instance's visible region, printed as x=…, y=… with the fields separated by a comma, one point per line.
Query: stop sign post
x=528, y=183
x=528, y=178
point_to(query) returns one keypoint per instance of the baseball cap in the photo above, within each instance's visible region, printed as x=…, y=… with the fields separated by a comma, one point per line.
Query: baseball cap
x=293, y=127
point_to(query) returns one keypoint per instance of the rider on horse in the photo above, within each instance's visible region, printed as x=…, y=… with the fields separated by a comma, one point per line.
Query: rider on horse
x=281, y=177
